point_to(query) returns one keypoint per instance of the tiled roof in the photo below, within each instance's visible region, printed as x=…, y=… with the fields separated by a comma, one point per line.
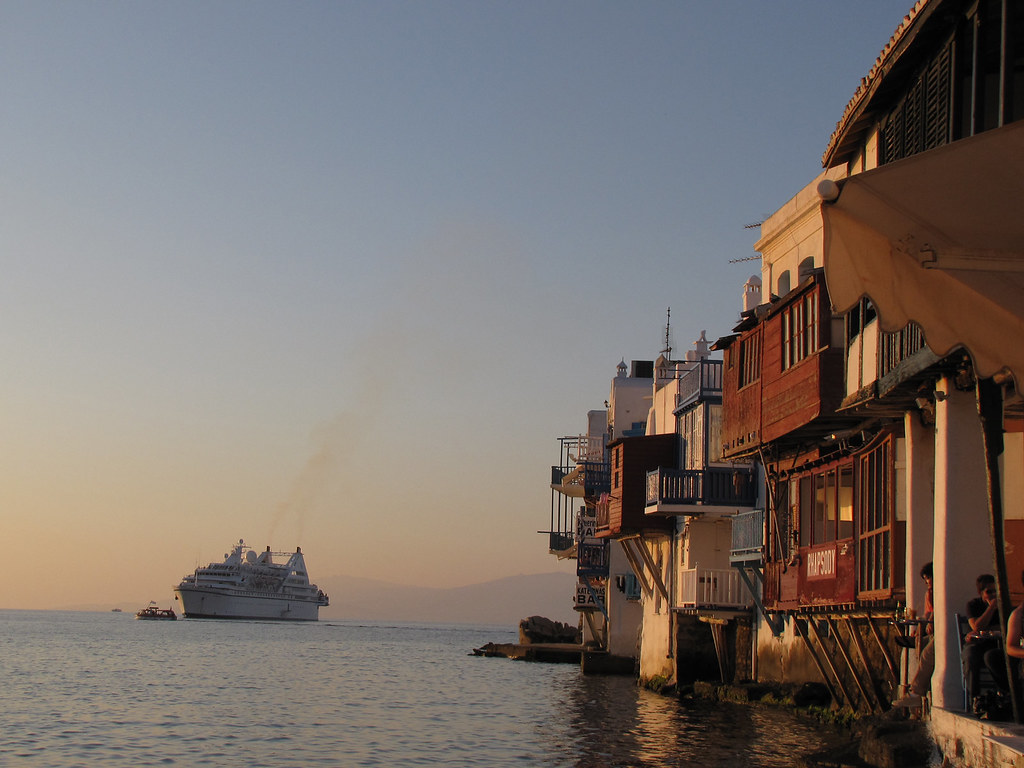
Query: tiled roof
x=876, y=70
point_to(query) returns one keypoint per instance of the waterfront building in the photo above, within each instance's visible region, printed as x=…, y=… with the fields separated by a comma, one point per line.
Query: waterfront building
x=829, y=571
x=874, y=379
x=696, y=623
x=879, y=383
x=923, y=235
x=645, y=503
x=607, y=594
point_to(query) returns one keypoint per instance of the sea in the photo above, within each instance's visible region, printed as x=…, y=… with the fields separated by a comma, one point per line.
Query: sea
x=102, y=689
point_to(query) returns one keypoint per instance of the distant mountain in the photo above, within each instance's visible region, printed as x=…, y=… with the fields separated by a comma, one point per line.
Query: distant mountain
x=504, y=601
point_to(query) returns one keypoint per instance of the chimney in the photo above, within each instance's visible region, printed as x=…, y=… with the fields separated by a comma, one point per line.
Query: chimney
x=752, y=293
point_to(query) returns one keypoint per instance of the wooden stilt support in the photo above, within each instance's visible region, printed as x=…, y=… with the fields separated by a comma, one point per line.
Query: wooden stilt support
x=721, y=646
x=858, y=643
x=849, y=664
x=890, y=663
x=817, y=662
x=637, y=566
x=831, y=666
x=641, y=547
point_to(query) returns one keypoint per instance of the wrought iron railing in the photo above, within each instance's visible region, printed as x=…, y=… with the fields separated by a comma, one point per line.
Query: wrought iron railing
x=592, y=558
x=714, y=486
x=747, y=536
x=712, y=588
x=702, y=381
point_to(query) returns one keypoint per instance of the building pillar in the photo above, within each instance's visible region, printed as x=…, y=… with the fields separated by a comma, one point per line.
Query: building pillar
x=962, y=547
x=919, y=497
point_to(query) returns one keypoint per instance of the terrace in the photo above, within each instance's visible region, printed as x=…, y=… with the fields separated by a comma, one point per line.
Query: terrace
x=700, y=491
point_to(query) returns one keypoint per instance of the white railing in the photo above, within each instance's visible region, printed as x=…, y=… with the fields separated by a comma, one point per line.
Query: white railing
x=712, y=588
x=588, y=448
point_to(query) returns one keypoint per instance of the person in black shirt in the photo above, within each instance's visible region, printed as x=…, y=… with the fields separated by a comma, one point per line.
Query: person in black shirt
x=983, y=645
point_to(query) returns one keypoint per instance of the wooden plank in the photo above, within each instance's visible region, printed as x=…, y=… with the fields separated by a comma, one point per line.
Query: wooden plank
x=817, y=662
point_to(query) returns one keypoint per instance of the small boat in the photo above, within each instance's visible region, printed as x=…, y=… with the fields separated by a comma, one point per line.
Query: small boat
x=115, y=610
x=152, y=612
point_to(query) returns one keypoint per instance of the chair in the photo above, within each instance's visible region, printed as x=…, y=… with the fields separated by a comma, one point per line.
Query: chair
x=985, y=679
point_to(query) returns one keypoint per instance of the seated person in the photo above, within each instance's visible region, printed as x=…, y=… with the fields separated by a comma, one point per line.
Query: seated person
x=922, y=681
x=983, y=644
x=1015, y=634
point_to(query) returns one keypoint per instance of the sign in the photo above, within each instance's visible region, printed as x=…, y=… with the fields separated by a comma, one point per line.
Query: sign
x=821, y=563
x=590, y=598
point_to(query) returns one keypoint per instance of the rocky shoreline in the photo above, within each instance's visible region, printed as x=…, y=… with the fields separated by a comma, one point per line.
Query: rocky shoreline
x=889, y=740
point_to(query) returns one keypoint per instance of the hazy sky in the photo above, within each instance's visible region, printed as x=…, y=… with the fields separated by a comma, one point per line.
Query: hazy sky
x=339, y=274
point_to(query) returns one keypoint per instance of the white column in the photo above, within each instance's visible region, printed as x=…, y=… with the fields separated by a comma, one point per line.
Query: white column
x=962, y=544
x=920, y=504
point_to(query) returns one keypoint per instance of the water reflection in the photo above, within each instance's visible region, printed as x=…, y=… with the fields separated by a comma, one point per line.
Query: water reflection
x=611, y=722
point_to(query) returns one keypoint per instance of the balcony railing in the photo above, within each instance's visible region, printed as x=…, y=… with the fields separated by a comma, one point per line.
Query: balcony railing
x=592, y=559
x=714, y=486
x=894, y=348
x=704, y=380
x=712, y=588
x=747, y=537
x=588, y=478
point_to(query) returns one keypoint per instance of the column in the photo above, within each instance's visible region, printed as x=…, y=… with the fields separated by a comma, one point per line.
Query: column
x=962, y=544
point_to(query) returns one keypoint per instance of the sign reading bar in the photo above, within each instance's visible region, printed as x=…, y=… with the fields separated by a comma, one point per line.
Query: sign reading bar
x=592, y=598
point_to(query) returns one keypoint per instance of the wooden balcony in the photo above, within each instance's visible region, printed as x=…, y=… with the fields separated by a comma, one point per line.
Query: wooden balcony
x=747, y=538
x=700, y=491
x=783, y=379
x=631, y=459
x=712, y=588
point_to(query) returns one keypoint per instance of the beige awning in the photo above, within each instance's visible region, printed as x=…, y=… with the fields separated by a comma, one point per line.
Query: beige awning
x=938, y=239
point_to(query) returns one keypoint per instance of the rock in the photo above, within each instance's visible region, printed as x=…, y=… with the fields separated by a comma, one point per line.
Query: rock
x=537, y=629
x=812, y=694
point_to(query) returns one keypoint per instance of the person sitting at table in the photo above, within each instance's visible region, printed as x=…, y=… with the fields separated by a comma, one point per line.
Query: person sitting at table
x=983, y=644
x=922, y=681
x=1015, y=635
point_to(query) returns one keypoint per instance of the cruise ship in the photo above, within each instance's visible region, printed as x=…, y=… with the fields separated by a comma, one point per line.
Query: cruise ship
x=250, y=585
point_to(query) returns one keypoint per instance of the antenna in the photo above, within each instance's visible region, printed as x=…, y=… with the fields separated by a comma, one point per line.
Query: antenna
x=667, y=351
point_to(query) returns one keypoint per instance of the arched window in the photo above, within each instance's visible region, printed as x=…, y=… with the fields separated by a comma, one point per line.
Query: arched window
x=782, y=286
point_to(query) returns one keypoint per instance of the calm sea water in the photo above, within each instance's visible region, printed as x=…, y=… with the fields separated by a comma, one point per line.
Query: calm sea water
x=101, y=689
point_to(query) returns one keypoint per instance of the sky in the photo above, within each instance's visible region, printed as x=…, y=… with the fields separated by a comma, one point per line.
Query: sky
x=340, y=274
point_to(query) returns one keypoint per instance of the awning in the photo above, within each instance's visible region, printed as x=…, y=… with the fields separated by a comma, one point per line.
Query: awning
x=938, y=239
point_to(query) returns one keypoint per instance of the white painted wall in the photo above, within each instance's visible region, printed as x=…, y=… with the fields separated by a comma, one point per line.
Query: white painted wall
x=656, y=637
x=624, y=616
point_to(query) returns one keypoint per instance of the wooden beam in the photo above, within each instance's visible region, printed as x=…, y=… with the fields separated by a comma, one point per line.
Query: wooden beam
x=858, y=643
x=889, y=661
x=637, y=566
x=817, y=662
x=849, y=663
x=641, y=545
x=828, y=661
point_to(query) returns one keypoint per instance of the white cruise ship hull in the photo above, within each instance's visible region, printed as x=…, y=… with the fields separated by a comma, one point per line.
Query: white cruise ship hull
x=205, y=603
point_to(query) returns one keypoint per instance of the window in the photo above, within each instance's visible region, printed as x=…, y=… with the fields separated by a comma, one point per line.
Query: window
x=875, y=513
x=858, y=318
x=973, y=82
x=632, y=587
x=780, y=524
x=823, y=499
x=783, y=285
x=800, y=330
x=750, y=359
